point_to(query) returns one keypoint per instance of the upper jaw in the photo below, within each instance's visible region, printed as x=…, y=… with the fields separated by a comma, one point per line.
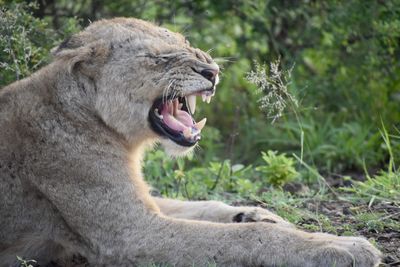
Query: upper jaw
x=171, y=115
x=206, y=93
x=205, y=96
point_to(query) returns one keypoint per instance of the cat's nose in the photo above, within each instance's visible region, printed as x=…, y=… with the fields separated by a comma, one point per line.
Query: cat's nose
x=210, y=74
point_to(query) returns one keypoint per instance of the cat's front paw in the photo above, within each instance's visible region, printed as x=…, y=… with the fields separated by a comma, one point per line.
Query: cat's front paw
x=256, y=214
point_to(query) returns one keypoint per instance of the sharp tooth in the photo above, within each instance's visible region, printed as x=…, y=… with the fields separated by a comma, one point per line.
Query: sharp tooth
x=158, y=114
x=200, y=124
x=175, y=104
x=208, y=99
x=187, y=133
x=180, y=105
x=191, y=102
x=204, y=97
x=170, y=107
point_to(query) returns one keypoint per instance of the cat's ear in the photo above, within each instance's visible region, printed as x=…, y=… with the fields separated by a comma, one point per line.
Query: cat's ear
x=81, y=53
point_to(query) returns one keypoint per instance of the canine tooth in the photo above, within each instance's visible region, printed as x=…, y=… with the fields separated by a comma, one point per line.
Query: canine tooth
x=203, y=97
x=180, y=105
x=195, y=130
x=187, y=133
x=199, y=125
x=175, y=106
x=170, y=107
x=191, y=102
x=208, y=99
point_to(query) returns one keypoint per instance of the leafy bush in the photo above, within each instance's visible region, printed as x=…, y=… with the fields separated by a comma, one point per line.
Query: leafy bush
x=174, y=179
x=323, y=143
x=279, y=169
x=25, y=41
x=179, y=178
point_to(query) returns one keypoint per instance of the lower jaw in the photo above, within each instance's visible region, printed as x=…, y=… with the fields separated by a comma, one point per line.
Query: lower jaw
x=174, y=150
x=177, y=138
x=181, y=140
x=184, y=139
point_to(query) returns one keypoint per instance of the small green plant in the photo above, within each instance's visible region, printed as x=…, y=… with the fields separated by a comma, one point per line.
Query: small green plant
x=279, y=169
x=25, y=263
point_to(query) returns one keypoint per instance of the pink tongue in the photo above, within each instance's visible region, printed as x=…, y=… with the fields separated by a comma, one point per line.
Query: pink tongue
x=180, y=121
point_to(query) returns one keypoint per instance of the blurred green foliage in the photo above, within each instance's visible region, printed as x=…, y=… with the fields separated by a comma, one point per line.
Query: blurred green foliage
x=279, y=169
x=25, y=40
x=345, y=77
x=20, y=53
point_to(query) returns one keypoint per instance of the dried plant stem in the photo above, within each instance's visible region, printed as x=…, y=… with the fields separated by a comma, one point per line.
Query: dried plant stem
x=273, y=85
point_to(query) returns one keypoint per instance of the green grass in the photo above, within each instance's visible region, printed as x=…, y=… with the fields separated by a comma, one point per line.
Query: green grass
x=376, y=221
x=384, y=186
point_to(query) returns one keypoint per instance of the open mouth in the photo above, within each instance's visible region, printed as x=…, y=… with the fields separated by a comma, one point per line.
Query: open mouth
x=173, y=118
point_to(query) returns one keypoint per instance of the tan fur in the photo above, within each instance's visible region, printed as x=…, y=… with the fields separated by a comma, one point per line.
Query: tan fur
x=71, y=142
x=215, y=211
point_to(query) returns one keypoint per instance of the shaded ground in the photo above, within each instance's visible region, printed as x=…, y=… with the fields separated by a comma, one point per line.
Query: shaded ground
x=338, y=213
x=379, y=223
x=371, y=222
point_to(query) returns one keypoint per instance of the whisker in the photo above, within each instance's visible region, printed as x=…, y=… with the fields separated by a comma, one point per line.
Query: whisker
x=165, y=92
x=168, y=89
x=175, y=92
x=209, y=51
x=222, y=60
x=185, y=30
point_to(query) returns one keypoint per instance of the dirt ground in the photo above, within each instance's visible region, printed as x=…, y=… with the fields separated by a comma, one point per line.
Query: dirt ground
x=341, y=215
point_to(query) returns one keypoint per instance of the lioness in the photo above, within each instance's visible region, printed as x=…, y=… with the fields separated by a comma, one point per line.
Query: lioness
x=72, y=137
